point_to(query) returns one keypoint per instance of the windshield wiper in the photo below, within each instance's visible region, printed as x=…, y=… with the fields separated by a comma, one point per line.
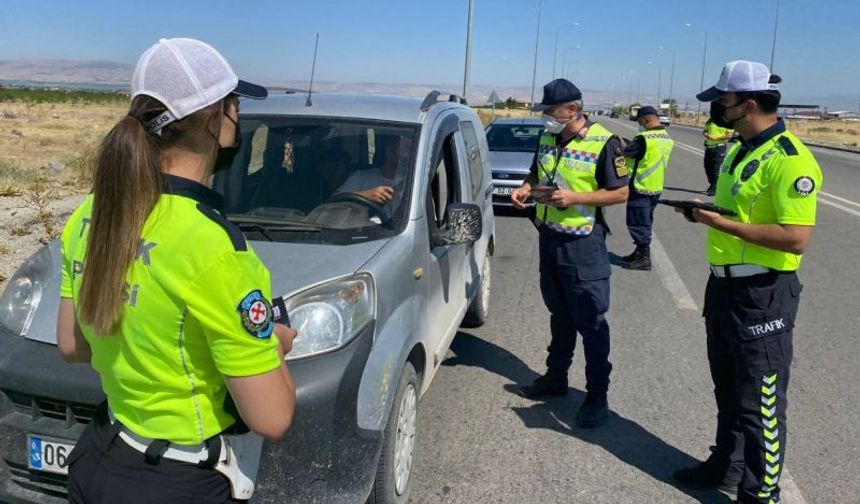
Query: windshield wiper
x=247, y=226
x=264, y=224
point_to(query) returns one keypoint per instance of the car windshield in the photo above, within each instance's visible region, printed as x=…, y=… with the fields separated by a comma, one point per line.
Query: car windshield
x=319, y=179
x=514, y=137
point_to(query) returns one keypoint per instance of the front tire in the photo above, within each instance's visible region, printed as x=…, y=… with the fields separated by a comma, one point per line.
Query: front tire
x=479, y=310
x=393, y=482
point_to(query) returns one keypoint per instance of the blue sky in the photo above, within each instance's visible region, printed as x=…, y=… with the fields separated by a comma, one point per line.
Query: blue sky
x=414, y=41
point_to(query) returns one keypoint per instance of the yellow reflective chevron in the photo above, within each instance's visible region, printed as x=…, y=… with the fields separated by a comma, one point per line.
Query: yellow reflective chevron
x=770, y=431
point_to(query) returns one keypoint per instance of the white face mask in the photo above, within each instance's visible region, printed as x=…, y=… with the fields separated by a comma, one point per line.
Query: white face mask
x=554, y=126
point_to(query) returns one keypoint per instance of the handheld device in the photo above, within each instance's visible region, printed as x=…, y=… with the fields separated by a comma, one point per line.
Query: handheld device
x=279, y=312
x=688, y=206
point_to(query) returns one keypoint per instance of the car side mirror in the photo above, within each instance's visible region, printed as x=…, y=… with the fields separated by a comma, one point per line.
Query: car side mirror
x=464, y=224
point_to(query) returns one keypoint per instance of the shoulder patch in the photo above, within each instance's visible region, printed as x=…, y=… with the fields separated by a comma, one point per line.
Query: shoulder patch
x=620, y=166
x=804, y=186
x=787, y=146
x=256, y=314
x=233, y=231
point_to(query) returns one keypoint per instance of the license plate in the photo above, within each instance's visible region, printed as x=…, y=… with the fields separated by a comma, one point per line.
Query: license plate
x=503, y=191
x=48, y=454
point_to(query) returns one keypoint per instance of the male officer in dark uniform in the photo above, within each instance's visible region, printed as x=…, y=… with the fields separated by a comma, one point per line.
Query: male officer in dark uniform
x=771, y=180
x=647, y=159
x=579, y=169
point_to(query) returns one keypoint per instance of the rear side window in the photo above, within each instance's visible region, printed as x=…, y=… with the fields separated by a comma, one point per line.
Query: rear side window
x=473, y=156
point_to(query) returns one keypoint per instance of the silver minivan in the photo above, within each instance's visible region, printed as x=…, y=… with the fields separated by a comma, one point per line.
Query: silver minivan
x=374, y=216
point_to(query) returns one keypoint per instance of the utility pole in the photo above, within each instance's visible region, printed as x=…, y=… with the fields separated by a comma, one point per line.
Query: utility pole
x=775, y=28
x=468, y=50
x=537, y=45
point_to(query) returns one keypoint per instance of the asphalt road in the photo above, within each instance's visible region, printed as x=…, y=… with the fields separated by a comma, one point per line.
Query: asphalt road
x=480, y=442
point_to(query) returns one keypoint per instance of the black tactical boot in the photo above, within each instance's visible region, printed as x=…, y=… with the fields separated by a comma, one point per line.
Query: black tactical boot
x=593, y=412
x=710, y=474
x=639, y=260
x=546, y=385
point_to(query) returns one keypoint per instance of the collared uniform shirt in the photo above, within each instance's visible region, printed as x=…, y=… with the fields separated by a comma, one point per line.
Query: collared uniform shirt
x=770, y=179
x=196, y=309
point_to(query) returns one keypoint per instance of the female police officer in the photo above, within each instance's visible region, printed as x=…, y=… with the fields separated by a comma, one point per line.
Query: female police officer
x=771, y=181
x=164, y=296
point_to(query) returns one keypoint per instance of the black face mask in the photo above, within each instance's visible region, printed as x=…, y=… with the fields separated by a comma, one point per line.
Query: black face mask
x=226, y=155
x=718, y=115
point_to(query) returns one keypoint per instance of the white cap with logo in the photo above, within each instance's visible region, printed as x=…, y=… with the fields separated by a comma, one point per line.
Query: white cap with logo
x=186, y=75
x=739, y=77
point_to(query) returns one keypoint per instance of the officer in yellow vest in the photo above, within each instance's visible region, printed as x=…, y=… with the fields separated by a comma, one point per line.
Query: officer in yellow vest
x=772, y=181
x=716, y=139
x=168, y=302
x=579, y=168
x=647, y=158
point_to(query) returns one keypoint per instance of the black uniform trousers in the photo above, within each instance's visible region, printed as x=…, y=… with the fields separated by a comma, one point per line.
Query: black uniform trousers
x=574, y=280
x=714, y=157
x=640, y=216
x=104, y=469
x=749, y=323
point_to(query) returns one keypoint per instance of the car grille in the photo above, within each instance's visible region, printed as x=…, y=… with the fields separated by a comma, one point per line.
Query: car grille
x=37, y=407
x=52, y=486
x=509, y=176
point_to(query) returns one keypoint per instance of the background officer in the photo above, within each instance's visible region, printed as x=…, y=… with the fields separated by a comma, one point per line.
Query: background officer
x=166, y=299
x=647, y=158
x=578, y=169
x=771, y=180
x=716, y=139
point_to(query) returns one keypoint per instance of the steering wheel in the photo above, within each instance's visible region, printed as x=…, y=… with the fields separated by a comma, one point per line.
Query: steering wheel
x=349, y=197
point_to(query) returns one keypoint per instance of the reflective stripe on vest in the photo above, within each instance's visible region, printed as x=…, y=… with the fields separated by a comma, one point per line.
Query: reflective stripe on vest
x=572, y=167
x=651, y=169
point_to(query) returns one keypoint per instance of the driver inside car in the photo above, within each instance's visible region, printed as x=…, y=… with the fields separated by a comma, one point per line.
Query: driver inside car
x=380, y=183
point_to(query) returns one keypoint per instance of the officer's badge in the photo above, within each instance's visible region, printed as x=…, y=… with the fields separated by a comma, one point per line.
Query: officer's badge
x=620, y=166
x=767, y=155
x=804, y=186
x=749, y=170
x=256, y=314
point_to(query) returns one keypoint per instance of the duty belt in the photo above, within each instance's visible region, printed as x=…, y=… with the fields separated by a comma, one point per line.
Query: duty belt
x=206, y=454
x=738, y=270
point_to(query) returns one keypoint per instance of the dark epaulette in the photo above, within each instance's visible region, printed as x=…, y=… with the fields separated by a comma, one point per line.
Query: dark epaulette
x=787, y=146
x=233, y=231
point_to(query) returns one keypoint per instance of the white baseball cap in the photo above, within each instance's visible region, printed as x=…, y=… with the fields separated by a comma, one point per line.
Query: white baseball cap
x=740, y=77
x=186, y=75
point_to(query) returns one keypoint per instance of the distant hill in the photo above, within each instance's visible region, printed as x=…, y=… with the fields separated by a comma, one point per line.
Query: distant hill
x=101, y=74
x=114, y=75
x=66, y=71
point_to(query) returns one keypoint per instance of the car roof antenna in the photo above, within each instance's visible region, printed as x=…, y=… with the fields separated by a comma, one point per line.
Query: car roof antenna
x=313, y=69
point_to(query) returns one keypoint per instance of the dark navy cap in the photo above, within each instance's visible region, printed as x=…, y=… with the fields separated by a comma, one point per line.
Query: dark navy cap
x=646, y=111
x=556, y=93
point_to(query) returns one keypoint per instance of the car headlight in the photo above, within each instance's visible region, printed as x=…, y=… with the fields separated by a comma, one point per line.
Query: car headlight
x=329, y=316
x=24, y=292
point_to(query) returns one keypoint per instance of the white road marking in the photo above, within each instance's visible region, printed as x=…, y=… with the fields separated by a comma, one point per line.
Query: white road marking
x=670, y=277
x=837, y=205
